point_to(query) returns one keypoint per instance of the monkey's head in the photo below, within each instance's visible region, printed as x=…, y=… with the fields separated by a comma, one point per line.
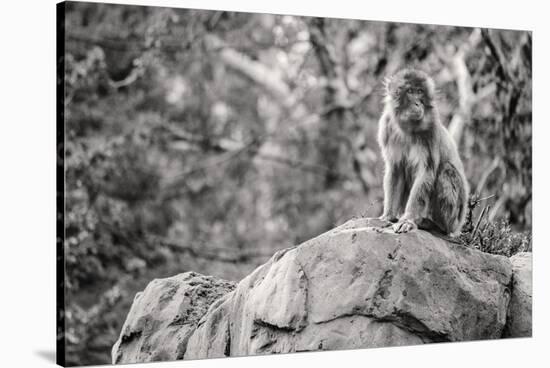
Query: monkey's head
x=410, y=93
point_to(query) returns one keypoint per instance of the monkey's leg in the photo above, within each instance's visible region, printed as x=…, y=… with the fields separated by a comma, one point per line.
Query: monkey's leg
x=418, y=202
x=449, y=199
x=393, y=185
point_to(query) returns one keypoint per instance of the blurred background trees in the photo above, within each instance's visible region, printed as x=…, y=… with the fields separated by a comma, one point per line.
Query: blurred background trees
x=204, y=140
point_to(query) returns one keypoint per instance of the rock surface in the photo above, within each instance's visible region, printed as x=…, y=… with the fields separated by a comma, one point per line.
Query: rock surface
x=519, y=322
x=164, y=316
x=360, y=286
x=356, y=286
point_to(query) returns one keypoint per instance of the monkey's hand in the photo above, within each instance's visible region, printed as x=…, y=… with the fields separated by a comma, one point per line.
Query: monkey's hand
x=387, y=220
x=404, y=226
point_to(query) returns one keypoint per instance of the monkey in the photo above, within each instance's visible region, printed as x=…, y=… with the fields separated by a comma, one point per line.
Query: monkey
x=424, y=181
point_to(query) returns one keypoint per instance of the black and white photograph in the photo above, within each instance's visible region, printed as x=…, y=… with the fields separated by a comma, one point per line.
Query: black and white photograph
x=234, y=184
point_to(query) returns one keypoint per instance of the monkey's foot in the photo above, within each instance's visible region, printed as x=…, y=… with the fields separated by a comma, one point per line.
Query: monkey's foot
x=386, y=221
x=404, y=226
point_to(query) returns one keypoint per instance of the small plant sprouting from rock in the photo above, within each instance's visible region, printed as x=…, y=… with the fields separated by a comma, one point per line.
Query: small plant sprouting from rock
x=495, y=237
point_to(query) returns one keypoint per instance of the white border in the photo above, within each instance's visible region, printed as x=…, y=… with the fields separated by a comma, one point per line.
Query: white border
x=27, y=187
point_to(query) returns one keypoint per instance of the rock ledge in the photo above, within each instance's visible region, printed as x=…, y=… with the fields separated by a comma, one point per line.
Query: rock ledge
x=356, y=286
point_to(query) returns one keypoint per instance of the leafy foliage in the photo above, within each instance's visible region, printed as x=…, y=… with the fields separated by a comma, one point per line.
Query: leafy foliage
x=498, y=238
x=494, y=237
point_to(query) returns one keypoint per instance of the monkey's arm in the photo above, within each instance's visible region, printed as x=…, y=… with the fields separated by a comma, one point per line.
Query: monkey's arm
x=418, y=202
x=392, y=188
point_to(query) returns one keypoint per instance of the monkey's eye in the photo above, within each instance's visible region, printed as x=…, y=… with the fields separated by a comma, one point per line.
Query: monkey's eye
x=410, y=90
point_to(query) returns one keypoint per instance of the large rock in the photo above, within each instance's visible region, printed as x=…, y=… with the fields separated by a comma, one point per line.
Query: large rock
x=164, y=316
x=519, y=322
x=359, y=286
x=356, y=286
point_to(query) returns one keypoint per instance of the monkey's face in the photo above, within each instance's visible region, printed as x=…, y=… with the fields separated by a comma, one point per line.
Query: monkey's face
x=410, y=94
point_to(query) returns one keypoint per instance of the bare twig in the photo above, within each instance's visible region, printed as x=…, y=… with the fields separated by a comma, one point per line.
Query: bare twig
x=484, y=198
x=485, y=209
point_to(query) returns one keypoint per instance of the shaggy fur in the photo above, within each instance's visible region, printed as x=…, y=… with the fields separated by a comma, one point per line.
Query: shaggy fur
x=424, y=181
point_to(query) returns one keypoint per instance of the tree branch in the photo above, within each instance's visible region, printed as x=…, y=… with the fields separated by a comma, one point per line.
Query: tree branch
x=217, y=254
x=498, y=55
x=228, y=146
x=260, y=74
x=459, y=70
